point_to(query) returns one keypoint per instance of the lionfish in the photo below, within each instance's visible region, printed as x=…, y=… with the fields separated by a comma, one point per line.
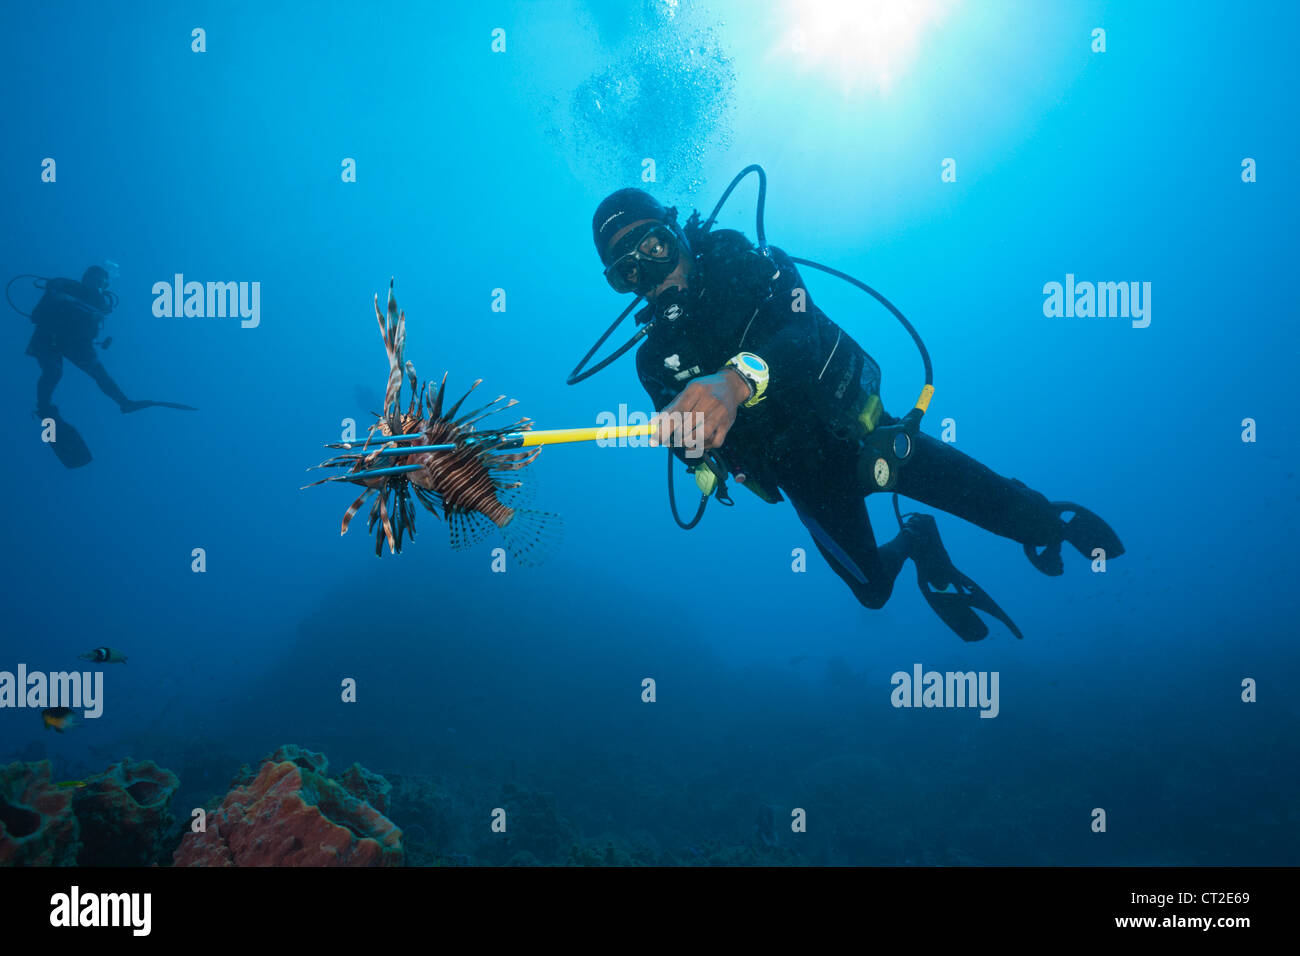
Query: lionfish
x=427, y=453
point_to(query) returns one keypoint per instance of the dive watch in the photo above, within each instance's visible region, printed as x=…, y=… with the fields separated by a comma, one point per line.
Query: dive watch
x=754, y=371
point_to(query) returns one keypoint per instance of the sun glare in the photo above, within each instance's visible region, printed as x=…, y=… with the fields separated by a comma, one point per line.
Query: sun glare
x=862, y=44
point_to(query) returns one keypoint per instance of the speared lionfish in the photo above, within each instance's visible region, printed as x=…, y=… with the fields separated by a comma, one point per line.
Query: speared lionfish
x=428, y=453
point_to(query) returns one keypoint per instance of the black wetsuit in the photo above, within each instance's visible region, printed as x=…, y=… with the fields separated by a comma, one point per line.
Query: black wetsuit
x=802, y=437
x=68, y=317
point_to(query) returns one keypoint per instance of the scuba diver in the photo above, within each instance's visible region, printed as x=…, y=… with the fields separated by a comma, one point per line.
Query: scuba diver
x=789, y=405
x=68, y=316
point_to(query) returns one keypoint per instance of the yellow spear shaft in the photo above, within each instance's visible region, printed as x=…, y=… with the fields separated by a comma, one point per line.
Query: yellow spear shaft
x=560, y=436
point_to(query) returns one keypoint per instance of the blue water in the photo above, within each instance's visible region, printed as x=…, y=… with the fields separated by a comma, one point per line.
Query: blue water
x=479, y=171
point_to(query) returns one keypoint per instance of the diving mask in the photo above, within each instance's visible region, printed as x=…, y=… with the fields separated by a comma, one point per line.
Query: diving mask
x=643, y=260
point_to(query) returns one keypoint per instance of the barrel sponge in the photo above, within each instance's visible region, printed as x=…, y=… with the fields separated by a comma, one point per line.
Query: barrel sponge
x=37, y=825
x=290, y=815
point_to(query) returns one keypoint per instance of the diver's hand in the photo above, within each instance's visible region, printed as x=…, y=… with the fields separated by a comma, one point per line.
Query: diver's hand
x=702, y=413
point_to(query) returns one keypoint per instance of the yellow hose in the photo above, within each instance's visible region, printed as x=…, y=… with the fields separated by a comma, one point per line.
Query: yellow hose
x=923, y=403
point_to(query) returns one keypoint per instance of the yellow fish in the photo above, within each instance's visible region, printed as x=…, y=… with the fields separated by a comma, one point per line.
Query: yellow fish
x=58, y=718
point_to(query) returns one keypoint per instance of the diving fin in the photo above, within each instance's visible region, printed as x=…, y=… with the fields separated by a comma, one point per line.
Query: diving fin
x=69, y=447
x=136, y=406
x=950, y=594
x=1085, y=532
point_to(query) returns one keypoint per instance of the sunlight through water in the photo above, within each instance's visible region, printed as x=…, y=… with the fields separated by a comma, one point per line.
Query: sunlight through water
x=863, y=45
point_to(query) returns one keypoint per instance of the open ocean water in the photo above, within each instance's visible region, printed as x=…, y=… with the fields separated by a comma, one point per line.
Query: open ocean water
x=958, y=157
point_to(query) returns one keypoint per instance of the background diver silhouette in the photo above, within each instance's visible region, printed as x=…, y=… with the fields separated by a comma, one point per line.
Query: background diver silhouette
x=68, y=316
x=798, y=428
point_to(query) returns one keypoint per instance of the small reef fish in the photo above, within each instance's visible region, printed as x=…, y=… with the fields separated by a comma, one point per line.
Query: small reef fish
x=70, y=785
x=104, y=655
x=58, y=718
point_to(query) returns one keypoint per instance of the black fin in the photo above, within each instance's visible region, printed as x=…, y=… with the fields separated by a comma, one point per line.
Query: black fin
x=69, y=447
x=951, y=595
x=1084, y=531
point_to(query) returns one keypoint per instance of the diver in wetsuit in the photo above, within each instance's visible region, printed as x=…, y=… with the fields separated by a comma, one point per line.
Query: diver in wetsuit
x=68, y=317
x=787, y=398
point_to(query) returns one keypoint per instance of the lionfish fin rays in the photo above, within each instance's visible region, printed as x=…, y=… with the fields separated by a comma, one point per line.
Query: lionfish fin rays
x=472, y=484
x=451, y=412
x=387, y=527
x=396, y=324
x=413, y=381
x=431, y=501
x=531, y=536
x=407, y=524
x=516, y=494
x=513, y=461
x=468, y=528
x=352, y=512
x=468, y=420
x=511, y=490
x=435, y=400
x=392, y=328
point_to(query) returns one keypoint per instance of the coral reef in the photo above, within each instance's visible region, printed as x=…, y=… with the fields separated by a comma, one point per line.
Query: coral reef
x=306, y=759
x=286, y=810
x=291, y=814
x=367, y=786
x=37, y=825
x=535, y=832
x=124, y=813
x=433, y=820
x=203, y=763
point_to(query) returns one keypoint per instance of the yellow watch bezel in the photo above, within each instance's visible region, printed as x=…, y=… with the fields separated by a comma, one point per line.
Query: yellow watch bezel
x=756, y=380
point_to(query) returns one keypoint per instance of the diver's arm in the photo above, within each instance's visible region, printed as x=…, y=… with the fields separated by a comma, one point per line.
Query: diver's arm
x=715, y=397
x=68, y=289
x=703, y=412
x=785, y=334
x=745, y=391
x=789, y=344
x=74, y=294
